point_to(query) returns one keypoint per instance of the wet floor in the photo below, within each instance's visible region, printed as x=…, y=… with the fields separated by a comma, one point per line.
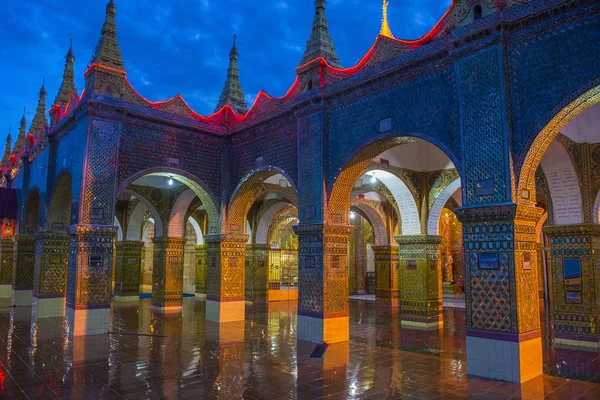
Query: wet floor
x=156, y=356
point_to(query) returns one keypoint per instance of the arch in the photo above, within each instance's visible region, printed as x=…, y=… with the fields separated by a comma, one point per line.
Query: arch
x=147, y=228
x=540, y=226
x=136, y=219
x=262, y=230
x=59, y=210
x=177, y=218
x=279, y=225
x=381, y=232
x=248, y=190
x=543, y=139
x=196, y=226
x=597, y=209
x=567, y=202
x=338, y=206
x=119, y=229
x=438, y=206
x=201, y=190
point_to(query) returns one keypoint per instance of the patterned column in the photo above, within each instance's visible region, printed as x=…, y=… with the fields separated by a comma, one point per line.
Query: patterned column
x=420, y=281
x=6, y=267
x=323, y=302
x=503, y=319
x=575, y=267
x=201, y=261
x=50, y=275
x=257, y=256
x=89, y=279
x=128, y=272
x=23, y=266
x=167, y=275
x=225, y=300
x=386, y=273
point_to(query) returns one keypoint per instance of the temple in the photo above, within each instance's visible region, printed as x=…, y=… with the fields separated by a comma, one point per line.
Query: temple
x=455, y=174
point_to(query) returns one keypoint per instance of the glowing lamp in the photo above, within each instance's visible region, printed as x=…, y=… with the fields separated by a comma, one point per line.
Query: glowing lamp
x=170, y=181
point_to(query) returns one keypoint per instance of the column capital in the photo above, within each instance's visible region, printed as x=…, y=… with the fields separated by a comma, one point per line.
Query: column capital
x=419, y=239
x=498, y=212
x=227, y=238
x=333, y=229
x=92, y=230
x=579, y=229
x=166, y=241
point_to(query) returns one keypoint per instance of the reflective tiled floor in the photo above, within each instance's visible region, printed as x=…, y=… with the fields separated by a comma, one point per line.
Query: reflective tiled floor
x=154, y=356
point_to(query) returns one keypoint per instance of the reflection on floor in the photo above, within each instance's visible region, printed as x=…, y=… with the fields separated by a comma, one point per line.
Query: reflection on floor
x=450, y=300
x=152, y=355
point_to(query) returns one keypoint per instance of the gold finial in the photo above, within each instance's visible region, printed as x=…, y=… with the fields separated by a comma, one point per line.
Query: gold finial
x=385, y=27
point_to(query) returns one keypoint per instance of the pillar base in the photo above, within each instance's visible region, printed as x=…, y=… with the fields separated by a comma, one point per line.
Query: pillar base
x=225, y=311
x=323, y=330
x=22, y=298
x=503, y=356
x=49, y=307
x=127, y=299
x=166, y=309
x=581, y=342
x=414, y=323
x=5, y=291
x=88, y=321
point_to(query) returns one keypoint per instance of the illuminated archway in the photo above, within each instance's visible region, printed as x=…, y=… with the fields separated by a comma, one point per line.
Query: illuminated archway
x=196, y=185
x=376, y=221
x=262, y=230
x=178, y=212
x=119, y=229
x=526, y=181
x=136, y=219
x=196, y=227
x=438, y=206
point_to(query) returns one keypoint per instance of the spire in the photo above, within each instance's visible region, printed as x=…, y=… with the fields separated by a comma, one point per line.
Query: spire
x=232, y=92
x=67, y=87
x=40, y=120
x=21, y=136
x=108, y=52
x=385, y=27
x=320, y=43
x=7, y=149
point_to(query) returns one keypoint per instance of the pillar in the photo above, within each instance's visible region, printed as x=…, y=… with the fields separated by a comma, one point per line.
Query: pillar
x=89, y=279
x=167, y=275
x=128, y=274
x=386, y=274
x=201, y=270
x=50, y=275
x=420, y=281
x=323, y=303
x=257, y=256
x=6, y=267
x=225, y=300
x=503, y=322
x=574, y=258
x=23, y=267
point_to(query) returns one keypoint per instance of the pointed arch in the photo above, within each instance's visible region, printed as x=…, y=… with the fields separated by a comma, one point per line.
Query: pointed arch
x=119, y=229
x=376, y=221
x=177, y=218
x=441, y=200
x=136, y=219
x=196, y=226
x=31, y=215
x=59, y=210
x=262, y=230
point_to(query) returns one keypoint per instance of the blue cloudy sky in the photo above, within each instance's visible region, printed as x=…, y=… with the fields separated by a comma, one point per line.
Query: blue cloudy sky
x=182, y=46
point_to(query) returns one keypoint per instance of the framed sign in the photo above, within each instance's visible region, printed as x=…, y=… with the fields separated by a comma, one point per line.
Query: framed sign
x=232, y=262
x=310, y=262
x=572, y=274
x=411, y=264
x=335, y=262
x=488, y=261
x=526, y=261
x=95, y=262
x=573, y=297
x=484, y=187
x=97, y=213
x=173, y=260
x=434, y=265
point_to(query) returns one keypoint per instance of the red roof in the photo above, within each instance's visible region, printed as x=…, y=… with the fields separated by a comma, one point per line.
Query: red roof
x=8, y=203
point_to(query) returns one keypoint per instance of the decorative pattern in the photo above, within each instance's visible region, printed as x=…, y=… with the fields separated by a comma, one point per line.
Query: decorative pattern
x=23, y=262
x=51, y=264
x=201, y=269
x=387, y=266
x=128, y=268
x=167, y=275
x=226, y=267
x=6, y=261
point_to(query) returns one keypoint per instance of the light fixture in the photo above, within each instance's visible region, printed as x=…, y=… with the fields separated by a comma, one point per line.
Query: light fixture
x=352, y=215
x=171, y=181
x=373, y=179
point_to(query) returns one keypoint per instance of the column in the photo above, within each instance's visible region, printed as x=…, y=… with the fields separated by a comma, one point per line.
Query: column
x=386, y=274
x=257, y=256
x=23, y=266
x=128, y=274
x=503, y=319
x=201, y=270
x=574, y=258
x=89, y=279
x=225, y=300
x=323, y=302
x=420, y=282
x=167, y=275
x=50, y=275
x=6, y=267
